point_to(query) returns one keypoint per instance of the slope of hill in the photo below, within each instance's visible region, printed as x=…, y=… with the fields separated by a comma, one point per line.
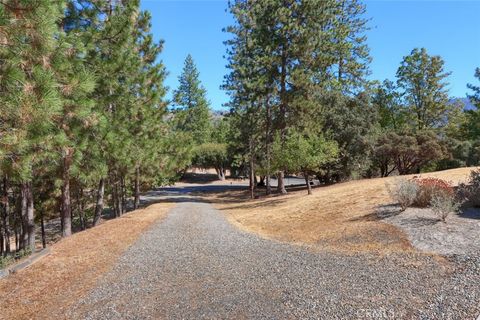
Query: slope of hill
x=338, y=217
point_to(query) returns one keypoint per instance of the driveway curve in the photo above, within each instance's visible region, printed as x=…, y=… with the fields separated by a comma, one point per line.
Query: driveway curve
x=195, y=265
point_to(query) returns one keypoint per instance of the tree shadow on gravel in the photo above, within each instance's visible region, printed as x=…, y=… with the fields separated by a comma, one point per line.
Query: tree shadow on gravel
x=420, y=222
x=167, y=199
x=470, y=213
x=383, y=212
x=195, y=193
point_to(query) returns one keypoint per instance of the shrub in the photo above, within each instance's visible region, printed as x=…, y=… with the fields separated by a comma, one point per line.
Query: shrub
x=5, y=261
x=22, y=253
x=443, y=204
x=470, y=193
x=404, y=192
x=428, y=188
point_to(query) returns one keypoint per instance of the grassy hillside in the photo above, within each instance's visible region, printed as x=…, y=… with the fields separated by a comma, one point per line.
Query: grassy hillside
x=338, y=217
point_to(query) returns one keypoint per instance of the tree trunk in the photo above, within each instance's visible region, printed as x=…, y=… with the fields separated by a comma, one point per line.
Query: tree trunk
x=23, y=215
x=6, y=215
x=42, y=222
x=115, y=200
x=2, y=242
x=29, y=232
x=99, y=205
x=114, y=197
x=220, y=173
x=123, y=198
x=252, y=171
x=81, y=208
x=114, y=194
x=66, y=215
x=252, y=179
x=261, y=183
x=268, y=189
x=136, y=201
x=283, y=109
x=307, y=181
x=17, y=222
x=17, y=239
x=281, y=183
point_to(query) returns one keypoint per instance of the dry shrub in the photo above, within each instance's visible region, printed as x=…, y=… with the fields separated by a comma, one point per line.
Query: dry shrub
x=443, y=204
x=404, y=192
x=430, y=187
x=470, y=192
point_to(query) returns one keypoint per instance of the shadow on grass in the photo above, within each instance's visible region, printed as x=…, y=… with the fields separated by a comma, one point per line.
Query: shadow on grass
x=381, y=212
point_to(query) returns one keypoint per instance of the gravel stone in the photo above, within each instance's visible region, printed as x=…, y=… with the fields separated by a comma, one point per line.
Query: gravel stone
x=195, y=265
x=459, y=235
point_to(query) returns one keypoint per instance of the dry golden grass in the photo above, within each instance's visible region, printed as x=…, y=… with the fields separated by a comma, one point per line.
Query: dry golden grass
x=338, y=217
x=46, y=289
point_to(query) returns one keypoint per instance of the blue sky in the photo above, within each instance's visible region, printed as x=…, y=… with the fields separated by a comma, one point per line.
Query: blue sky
x=450, y=29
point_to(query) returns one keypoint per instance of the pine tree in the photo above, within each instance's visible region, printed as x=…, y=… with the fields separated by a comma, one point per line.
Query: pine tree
x=82, y=108
x=127, y=137
x=475, y=97
x=423, y=80
x=110, y=33
x=351, y=50
x=147, y=125
x=77, y=118
x=29, y=95
x=471, y=127
x=190, y=98
x=285, y=56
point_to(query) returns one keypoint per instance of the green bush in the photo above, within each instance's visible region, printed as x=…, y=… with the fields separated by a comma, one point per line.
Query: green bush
x=23, y=253
x=5, y=261
x=11, y=258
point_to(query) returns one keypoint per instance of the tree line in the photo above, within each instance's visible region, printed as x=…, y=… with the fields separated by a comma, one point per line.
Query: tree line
x=301, y=101
x=83, y=121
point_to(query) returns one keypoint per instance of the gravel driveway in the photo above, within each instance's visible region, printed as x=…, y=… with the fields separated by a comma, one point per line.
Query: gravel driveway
x=195, y=265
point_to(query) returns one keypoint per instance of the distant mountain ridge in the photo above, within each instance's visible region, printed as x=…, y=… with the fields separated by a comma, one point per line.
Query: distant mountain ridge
x=466, y=101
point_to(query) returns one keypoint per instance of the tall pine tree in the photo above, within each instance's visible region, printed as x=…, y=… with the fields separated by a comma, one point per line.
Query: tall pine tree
x=286, y=56
x=29, y=96
x=423, y=80
x=193, y=112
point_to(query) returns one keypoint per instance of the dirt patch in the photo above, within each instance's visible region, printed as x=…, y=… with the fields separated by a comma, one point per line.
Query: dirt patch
x=46, y=289
x=337, y=217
